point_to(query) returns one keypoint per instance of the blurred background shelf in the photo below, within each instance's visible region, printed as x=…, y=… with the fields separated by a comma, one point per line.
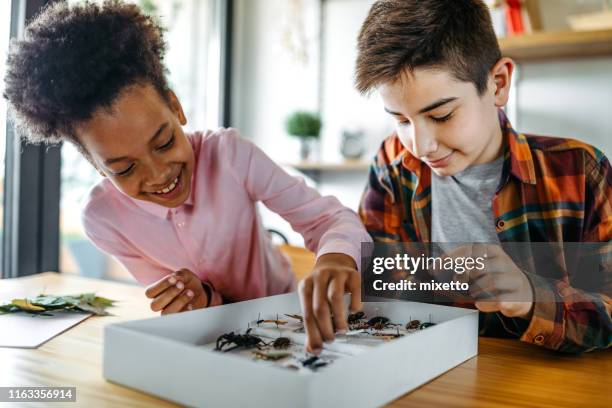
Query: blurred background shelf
x=561, y=44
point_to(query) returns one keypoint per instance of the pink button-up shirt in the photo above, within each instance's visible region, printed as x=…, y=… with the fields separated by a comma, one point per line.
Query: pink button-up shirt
x=217, y=233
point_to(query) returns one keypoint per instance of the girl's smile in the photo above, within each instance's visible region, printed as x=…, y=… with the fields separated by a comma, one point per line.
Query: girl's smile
x=138, y=143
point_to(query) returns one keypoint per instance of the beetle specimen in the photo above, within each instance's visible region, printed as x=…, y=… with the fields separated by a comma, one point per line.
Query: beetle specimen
x=360, y=326
x=425, y=325
x=355, y=317
x=379, y=323
x=246, y=341
x=281, y=343
x=413, y=324
x=378, y=319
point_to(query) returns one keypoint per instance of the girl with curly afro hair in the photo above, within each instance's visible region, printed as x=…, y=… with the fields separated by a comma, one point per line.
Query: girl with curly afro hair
x=177, y=210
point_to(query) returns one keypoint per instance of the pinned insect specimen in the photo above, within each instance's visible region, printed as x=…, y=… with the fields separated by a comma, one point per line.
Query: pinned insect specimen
x=413, y=324
x=355, y=317
x=360, y=326
x=276, y=321
x=281, y=343
x=314, y=362
x=272, y=355
x=388, y=336
x=380, y=323
x=246, y=341
x=425, y=325
x=300, y=319
x=377, y=320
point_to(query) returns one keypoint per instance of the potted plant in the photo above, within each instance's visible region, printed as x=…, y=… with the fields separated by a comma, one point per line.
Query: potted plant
x=306, y=126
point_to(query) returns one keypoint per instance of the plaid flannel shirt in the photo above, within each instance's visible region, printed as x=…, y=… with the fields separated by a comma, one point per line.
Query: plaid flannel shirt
x=551, y=190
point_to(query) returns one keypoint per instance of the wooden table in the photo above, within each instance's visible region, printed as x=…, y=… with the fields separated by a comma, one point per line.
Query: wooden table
x=505, y=372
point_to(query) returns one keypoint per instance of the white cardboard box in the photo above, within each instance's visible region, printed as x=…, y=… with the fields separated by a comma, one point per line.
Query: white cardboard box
x=165, y=356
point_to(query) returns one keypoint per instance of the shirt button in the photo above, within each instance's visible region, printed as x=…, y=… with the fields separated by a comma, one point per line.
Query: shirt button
x=500, y=224
x=539, y=339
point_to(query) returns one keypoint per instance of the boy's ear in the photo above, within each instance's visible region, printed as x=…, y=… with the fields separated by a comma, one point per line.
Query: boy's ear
x=501, y=73
x=177, y=108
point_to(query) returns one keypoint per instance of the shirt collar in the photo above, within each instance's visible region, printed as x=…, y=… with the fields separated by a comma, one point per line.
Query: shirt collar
x=517, y=152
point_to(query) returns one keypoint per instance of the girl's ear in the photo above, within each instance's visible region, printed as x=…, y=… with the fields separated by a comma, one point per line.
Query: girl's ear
x=501, y=74
x=177, y=108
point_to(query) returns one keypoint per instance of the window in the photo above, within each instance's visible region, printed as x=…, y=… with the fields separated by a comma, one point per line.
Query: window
x=193, y=60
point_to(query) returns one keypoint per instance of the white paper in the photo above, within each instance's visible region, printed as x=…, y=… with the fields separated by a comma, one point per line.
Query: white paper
x=25, y=330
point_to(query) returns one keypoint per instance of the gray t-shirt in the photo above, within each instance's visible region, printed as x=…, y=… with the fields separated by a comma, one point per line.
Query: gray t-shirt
x=461, y=204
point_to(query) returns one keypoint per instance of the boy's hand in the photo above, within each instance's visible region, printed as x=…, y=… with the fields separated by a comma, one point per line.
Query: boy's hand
x=177, y=292
x=322, y=294
x=501, y=286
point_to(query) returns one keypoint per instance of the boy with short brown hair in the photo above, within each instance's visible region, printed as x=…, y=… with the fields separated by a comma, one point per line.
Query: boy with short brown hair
x=455, y=170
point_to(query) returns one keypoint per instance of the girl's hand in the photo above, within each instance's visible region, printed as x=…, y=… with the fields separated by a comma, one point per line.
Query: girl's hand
x=322, y=294
x=177, y=292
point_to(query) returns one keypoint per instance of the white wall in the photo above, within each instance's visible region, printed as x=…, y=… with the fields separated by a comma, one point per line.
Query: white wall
x=268, y=83
x=567, y=98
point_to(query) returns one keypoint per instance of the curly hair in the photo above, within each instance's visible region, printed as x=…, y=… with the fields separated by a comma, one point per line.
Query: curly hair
x=77, y=59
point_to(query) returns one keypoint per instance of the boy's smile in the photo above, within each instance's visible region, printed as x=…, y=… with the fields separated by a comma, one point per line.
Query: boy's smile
x=443, y=121
x=140, y=146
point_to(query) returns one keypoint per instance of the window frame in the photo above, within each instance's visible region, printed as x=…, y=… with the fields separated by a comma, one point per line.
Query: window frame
x=32, y=188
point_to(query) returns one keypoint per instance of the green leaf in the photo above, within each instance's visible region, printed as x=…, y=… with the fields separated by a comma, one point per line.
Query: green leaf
x=86, y=302
x=98, y=311
x=104, y=301
x=49, y=301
